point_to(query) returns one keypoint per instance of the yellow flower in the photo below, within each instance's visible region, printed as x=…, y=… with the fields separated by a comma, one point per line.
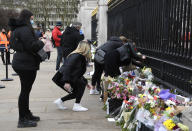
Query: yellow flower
x=169, y=124
x=168, y=108
x=152, y=110
x=141, y=95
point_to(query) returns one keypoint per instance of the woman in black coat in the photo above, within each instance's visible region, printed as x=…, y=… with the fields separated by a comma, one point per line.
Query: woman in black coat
x=122, y=56
x=70, y=76
x=113, y=43
x=25, y=63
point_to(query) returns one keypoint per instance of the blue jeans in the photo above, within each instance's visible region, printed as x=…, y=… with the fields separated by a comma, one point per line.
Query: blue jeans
x=59, y=57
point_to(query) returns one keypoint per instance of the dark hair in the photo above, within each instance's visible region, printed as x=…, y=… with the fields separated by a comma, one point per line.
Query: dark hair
x=25, y=16
x=76, y=24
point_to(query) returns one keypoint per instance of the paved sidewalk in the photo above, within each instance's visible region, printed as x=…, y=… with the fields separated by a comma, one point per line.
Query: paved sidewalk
x=43, y=94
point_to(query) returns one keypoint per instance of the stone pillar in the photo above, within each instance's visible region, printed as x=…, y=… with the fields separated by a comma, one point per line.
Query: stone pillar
x=102, y=21
x=84, y=16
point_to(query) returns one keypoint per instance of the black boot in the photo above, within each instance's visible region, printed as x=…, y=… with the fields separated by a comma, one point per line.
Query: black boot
x=24, y=122
x=31, y=117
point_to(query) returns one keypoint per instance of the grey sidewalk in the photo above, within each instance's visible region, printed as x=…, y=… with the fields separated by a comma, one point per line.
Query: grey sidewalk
x=43, y=94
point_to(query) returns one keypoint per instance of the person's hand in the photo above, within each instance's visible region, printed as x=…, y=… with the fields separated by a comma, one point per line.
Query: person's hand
x=67, y=86
x=40, y=38
x=89, y=86
x=143, y=57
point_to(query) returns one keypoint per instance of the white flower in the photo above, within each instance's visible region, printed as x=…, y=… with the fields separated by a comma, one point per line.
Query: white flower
x=169, y=103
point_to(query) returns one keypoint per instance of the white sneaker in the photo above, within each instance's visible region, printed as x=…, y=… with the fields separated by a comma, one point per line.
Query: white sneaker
x=94, y=92
x=78, y=107
x=59, y=104
x=97, y=92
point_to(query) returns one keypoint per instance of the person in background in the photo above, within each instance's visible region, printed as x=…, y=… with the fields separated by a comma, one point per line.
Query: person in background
x=8, y=53
x=48, y=44
x=56, y=33
x=25, y=63
x=122, y=56
x=113, y=43
x=70, y=76
x=71, y=38
x=4, y=42
x=9, y=35
x=48, y=34
x=38, y=32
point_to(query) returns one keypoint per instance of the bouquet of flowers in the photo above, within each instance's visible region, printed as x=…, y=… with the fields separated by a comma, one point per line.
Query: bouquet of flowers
x=119, y=91
x=130, y=104
x=147, y=73
x=154, y=90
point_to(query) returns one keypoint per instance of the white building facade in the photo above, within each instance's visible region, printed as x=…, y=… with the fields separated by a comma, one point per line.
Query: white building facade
x=85, y=9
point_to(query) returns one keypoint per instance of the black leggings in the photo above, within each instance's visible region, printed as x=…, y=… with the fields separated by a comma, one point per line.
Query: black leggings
x=96, y=78
x=48, y=55
x=3, y=54
x=27, y=79
x=78, y=91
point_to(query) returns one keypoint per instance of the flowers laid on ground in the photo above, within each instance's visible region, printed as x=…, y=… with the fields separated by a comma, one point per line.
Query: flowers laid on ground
x=169, y=124
x=119, y=91
x=145, y=102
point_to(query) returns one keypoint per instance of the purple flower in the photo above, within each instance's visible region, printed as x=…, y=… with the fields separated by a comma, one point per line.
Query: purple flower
x=165, y=95
x=118, y=95
x=125, y=98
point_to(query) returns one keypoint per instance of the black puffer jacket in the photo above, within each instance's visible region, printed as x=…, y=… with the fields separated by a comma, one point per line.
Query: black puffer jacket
x=72, y=71
x=26, y=59
x=113, y=43
x=70, y=40
x=121, y=56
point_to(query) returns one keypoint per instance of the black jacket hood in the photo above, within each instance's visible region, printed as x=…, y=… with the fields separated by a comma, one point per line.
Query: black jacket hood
x=70, y=30
x=115, y=38
x=15, y=23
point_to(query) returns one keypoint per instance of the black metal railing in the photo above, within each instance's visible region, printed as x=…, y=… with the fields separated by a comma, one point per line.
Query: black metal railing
x=162, y=30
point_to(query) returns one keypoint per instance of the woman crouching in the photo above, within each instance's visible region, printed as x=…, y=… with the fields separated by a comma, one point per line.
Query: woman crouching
x=70, y=76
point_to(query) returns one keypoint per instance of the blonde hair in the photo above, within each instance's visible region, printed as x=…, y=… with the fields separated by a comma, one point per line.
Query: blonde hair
x=124, y=39
x=84, y=49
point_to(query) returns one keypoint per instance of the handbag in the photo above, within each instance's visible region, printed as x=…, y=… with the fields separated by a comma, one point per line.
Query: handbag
x=99, y=56
x=42, y=54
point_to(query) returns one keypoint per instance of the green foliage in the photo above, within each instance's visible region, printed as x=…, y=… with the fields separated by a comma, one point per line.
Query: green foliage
x=147, y=106
x=104, y=107
x=107, y=116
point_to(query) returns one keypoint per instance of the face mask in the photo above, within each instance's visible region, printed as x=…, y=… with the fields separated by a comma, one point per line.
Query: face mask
x=32, y=22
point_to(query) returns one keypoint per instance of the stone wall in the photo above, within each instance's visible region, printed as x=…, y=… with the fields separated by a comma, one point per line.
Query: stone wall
x=102, y=21
x=84, y=16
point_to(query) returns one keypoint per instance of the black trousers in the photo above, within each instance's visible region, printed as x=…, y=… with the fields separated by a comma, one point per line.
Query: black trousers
x=3, y=57
x=59, y=57
x=48, y=54
x=27, y=79
x=78, y=91
x=96, y=78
